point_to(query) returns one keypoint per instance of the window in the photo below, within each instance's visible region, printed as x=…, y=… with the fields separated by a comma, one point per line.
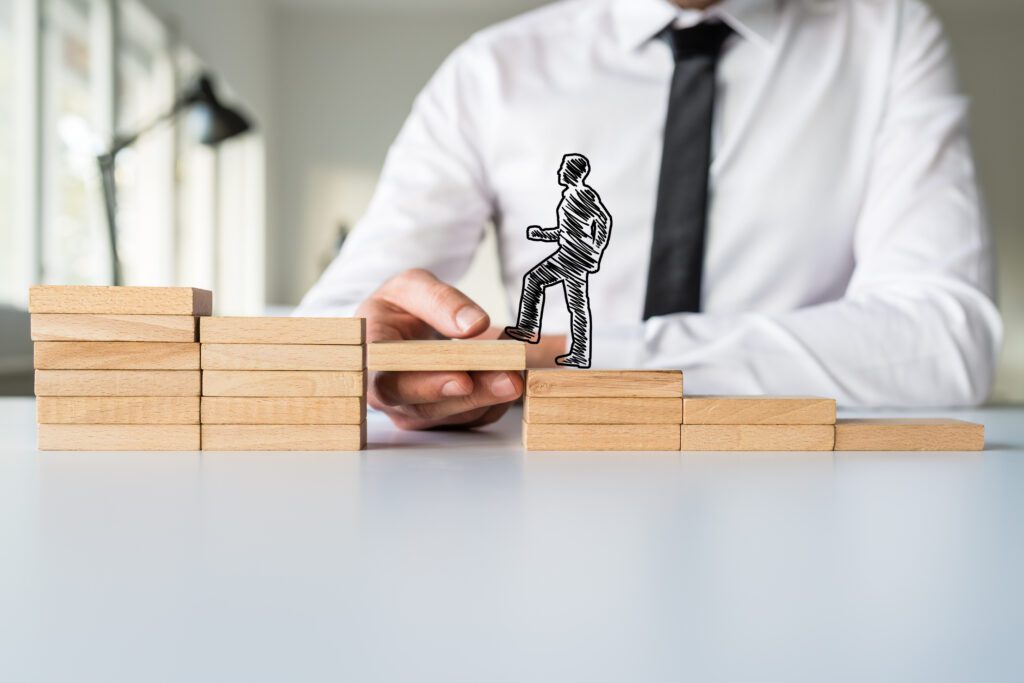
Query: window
x=74, y=123
x=220, y=204
x=196, y=184
x=145, y=171
x=88, y=72
x=19, y=149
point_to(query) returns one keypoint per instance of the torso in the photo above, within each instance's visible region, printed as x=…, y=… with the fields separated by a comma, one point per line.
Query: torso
x=580, y=96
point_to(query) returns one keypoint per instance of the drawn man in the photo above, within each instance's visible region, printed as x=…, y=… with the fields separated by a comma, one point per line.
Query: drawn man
x=584, y=226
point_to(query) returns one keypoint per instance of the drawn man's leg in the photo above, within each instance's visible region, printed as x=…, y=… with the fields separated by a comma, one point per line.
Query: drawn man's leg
x=531, y=303
x=578, y=300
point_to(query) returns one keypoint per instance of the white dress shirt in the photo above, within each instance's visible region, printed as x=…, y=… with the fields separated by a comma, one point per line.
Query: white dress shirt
x=847, y=251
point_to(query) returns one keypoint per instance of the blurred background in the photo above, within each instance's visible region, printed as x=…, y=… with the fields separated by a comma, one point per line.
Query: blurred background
x=326, y=85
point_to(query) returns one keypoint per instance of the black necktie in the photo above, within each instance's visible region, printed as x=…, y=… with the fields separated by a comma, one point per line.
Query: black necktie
x=677, y=252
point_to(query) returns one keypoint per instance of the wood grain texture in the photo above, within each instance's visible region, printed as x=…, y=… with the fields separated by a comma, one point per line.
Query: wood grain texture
x=288, y=410
x=758, y=410
x=283, y=383
x=118, y=437
x=109, y=327
x=118, y=410
x=604, y=383
x=120, y=300
x=562, y=437
x=116, y=355
x=227, y=330
x=909, y=434
x=757, y=437
x=546, y=410
x=117, y=383
x=283, y=357
x=284, y=437
x=447, y=355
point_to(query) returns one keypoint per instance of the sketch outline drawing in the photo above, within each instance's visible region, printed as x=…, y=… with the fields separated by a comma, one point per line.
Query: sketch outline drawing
x=583, y=229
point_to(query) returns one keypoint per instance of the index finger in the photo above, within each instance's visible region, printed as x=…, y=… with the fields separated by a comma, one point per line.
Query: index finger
x=440, y=305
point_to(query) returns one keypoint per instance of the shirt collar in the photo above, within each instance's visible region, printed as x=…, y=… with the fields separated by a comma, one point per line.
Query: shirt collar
x=637, y=21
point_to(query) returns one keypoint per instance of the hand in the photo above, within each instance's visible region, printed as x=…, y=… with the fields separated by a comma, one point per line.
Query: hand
x=416, y=305
x=535, y=232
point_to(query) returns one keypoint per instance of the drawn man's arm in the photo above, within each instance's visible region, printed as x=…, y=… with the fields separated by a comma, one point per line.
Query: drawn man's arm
x=539, y=234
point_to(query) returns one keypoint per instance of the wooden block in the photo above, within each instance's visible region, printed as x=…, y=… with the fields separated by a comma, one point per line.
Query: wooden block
x=283, y=410
x=117, y=382
x=544, y=410
x=282, y=330
x=758, y=410
x=283, y=383
x=605, y=383
x=283, y=357
x=757, y=437
x=284, y=437
x=909, y=434
x=447, y=355
x=118, y=410
x=120, y=300
x=97, y=327
x=562, y=437
x=116, y=355
x=118, y=437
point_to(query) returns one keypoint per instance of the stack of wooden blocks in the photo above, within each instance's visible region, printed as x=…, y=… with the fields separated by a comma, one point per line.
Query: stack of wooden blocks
x=808, y=423
x=758, y=423
x=629, y=410
x=283, y=384
x=117, y=368
x=603, y=410
x=147, y=368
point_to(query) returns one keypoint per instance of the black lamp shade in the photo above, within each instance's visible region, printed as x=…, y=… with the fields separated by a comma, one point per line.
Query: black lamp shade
x=210, y=121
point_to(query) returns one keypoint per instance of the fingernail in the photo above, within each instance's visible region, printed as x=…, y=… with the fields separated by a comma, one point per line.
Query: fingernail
x=503, y=387
x=452, y=388
x=468, y=316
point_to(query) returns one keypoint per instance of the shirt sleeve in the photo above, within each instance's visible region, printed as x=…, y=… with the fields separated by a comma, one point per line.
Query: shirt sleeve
x=917, y=325
x=431, y=204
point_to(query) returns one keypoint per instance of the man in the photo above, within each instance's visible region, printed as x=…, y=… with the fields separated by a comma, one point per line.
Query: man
x=794, y=196
x=584, y=226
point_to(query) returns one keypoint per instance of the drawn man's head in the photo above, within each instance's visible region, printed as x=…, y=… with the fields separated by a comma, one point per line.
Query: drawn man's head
x=573, y=170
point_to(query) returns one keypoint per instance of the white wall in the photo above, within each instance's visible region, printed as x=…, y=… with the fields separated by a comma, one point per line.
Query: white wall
x=233, y=38
x=986, y=38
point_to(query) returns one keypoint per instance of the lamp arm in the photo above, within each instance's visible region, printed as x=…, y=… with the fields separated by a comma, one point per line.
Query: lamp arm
x=128, y=140
x=107, y=163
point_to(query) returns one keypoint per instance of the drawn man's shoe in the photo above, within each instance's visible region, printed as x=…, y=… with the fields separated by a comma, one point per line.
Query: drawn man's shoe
x=522, y=335
x=573, y=360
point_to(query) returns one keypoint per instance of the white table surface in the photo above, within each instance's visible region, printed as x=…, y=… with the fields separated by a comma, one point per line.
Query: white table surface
x=458, y=557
